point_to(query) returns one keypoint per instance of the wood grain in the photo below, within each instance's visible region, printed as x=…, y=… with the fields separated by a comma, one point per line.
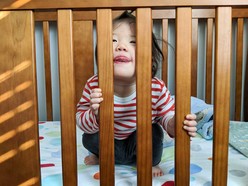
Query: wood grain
x=194, y=57
x=67, y=98
x=169, y=13
x=209, y=63
x=18, y=110
x=83, y=54
x=47, y=62
x=53, y=4
x=183, y=84
x=143, y=86
x=221, y=95
x=239, y=64
x=105, y=73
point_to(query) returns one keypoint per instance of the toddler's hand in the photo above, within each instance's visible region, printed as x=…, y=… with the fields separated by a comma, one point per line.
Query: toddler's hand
x=190, y=124
x=95, y=100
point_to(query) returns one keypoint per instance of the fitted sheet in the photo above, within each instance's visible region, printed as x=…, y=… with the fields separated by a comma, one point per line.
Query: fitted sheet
x=200, y=167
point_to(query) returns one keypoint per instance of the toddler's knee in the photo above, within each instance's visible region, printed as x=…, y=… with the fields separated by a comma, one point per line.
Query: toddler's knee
x=157, y=133
x=90, y=140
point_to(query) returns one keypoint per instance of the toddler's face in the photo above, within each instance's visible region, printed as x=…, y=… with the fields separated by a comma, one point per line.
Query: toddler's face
x=124, y=43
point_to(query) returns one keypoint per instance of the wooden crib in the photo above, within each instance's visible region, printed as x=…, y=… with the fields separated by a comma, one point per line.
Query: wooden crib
x=19, y=139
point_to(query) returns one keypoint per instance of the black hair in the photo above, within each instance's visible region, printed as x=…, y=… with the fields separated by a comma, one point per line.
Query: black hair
x=157, y=54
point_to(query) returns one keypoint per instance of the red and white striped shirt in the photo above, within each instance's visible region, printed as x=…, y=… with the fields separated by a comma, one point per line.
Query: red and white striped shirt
x=125, y=109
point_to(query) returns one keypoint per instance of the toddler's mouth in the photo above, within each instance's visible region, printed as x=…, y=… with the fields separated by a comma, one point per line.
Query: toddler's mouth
x=121, y=59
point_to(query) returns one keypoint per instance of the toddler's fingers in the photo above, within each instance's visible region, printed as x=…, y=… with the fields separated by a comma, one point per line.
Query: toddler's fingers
x=96, y=90
x=192, y=123
x=96, y=101
x=190, y=129
x=95, y=107
x=191, y=116
x=193, y=134
x=95, y=95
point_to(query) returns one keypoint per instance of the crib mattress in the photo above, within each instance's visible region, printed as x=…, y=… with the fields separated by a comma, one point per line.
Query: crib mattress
x=200, y=167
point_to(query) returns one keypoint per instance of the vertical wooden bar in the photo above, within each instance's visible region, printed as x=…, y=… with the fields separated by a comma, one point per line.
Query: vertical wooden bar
x=83, y=54
x=183, y=86
x=105, y=73
x=239, y=59
x=47, y=62
x=222, y=95
x=143, y=84
x=67, y=98
x=165, y=51
x=194, y=59
x=19, y=141
x=209, y=55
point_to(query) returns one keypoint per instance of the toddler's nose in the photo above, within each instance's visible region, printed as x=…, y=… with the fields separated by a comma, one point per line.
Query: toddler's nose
x=121, y=47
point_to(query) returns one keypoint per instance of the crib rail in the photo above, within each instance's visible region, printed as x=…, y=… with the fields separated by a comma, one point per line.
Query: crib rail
x=53, y=4
x=18, y=111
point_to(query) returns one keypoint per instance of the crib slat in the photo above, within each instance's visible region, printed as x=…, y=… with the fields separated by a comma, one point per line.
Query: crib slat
x=183, y=84
x=165, y=51
x=105, y=73
x=222, y=95
x=194, y=57
x=46, y=40
x=67, y=97
x=209, y=55
x=239, y=59
x=143, y=77
x=19, y=148
x=83, y=54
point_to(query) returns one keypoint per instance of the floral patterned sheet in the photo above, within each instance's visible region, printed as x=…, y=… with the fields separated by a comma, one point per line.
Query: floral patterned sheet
x=200, y=167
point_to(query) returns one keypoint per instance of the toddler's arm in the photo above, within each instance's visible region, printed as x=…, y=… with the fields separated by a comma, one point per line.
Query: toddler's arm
x=87, y=110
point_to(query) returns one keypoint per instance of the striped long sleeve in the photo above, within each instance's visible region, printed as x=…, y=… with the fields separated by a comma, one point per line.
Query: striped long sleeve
x=164, y=104
x=85, y=118
x=125, y=109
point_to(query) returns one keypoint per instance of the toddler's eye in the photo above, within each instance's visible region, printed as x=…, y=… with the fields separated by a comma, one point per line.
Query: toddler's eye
x=114, y=40
x=133, y=41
